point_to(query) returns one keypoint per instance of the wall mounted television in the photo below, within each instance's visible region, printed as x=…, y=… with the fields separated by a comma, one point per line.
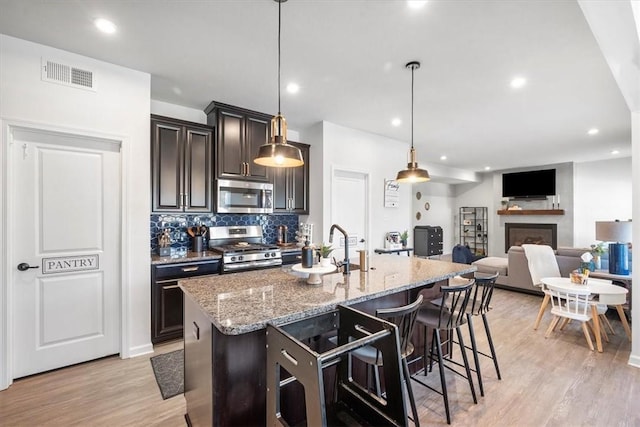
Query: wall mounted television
x=537, y=184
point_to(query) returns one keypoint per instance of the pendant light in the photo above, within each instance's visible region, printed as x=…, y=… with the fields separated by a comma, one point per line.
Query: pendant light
x=277, y=153
x=412, y=173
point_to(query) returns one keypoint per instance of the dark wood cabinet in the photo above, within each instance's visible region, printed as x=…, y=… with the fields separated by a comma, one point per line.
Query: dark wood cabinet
x=239, y=135
x=291, y=186
x=167, y=298
x=181, y=166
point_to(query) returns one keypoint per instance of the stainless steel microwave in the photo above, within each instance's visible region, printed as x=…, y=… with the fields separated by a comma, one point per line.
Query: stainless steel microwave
x=244, y=197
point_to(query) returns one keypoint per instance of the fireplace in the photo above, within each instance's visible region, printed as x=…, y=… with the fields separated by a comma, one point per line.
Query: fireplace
x=517, y=234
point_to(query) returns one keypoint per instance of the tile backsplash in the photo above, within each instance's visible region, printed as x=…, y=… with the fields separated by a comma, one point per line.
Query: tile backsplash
x=180, y=241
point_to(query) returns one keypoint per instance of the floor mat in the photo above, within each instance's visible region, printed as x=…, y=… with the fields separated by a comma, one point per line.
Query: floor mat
x=169, y=371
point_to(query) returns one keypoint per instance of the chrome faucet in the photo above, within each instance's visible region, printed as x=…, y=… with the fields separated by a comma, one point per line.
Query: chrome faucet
x=346, y=246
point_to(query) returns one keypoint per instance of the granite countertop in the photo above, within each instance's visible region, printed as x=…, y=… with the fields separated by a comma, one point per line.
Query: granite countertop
x=243, y=302
x=189, y=257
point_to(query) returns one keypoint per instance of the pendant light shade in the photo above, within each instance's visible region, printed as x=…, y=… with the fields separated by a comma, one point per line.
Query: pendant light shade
x=277, y=153
x=412, y=173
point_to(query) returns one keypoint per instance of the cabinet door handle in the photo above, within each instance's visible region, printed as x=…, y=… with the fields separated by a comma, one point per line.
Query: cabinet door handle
x=170, y=287
x=186, y=269
x=181, y=201
x=186, y=200
x=248, y=173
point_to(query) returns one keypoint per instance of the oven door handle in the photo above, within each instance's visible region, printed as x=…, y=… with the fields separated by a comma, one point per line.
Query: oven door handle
x=248, y=266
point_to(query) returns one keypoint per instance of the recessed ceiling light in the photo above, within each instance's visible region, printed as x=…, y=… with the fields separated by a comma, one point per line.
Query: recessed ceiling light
x=105, y=25
x=443, y=157
x=396, y=122
x=614, y=152
x=593, y=131
x=416, y=4
x=487, y=168
x=293, y=88
x=518, y=82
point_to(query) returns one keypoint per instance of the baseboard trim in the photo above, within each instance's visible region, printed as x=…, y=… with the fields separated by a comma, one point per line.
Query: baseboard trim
x=531, y=291
x=140, y=350
x=634, y=360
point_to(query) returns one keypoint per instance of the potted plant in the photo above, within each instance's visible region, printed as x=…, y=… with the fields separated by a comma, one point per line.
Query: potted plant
x=404, y=236
x=597, y=250
x=324, y=252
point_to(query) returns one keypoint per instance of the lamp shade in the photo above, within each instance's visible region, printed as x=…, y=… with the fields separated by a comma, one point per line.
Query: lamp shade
x=613, y=231
x=413, y=173
x=279, y=155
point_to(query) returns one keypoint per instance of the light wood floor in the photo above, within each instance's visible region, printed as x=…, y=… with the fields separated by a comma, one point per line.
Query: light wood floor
x=546, y=382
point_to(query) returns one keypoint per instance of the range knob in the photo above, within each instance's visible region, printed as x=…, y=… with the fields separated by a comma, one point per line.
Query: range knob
x=233, y=258
x=266, y=255
x=273, y=254
x=240, y=258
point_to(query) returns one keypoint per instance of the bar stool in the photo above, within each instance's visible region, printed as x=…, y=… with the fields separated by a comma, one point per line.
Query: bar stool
x=287, y=351
x=480, y=300
x=448, y=316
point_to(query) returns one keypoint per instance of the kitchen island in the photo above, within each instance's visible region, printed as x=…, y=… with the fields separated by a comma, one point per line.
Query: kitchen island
x=226, y=316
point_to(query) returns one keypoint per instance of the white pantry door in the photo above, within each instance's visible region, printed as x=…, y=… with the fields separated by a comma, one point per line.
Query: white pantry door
x=64, y=248
x=350, y=210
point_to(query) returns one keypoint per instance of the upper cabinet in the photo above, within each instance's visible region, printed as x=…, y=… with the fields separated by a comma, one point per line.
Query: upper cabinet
x=181, y=166
x=291, y=186
x=239, y=133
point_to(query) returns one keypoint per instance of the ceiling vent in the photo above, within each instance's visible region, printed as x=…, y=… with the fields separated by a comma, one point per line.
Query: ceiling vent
x=67, y=75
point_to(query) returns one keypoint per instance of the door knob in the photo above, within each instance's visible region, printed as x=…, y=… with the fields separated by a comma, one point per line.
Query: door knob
x=23, y=266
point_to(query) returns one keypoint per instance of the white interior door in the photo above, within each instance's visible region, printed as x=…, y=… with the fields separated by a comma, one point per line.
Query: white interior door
x=65, y=245
x=350, y=210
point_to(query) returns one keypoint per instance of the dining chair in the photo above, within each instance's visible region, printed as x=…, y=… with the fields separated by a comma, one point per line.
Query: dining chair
x=448, y=316
x=570, y=305
x=542, y=263
x=404, y=318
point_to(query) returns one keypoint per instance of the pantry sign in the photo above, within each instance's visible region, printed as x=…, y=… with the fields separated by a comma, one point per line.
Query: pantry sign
x=69, y=264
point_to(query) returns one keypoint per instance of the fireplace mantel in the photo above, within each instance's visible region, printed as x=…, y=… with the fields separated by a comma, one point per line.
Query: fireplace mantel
x=531, y=212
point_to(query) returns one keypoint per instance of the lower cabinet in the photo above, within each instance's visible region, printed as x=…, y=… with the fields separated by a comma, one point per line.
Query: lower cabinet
x=167, y=298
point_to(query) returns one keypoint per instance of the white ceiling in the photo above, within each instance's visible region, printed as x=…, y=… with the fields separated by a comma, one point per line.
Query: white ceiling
x=349, y=58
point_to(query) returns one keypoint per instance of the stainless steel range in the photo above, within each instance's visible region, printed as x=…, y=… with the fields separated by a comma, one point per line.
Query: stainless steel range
x=242, y=249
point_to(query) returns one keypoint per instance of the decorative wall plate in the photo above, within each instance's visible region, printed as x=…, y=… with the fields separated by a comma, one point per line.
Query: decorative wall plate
x=418, y=195
x=418, y=216
x=427, y=206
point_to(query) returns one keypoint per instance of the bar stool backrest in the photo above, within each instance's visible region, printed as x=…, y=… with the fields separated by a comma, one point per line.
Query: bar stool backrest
x=454, y=303
x=482, y=293
x=405, y=319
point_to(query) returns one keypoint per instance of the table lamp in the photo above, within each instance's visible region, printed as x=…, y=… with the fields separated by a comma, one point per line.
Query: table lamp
x=618, y=233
